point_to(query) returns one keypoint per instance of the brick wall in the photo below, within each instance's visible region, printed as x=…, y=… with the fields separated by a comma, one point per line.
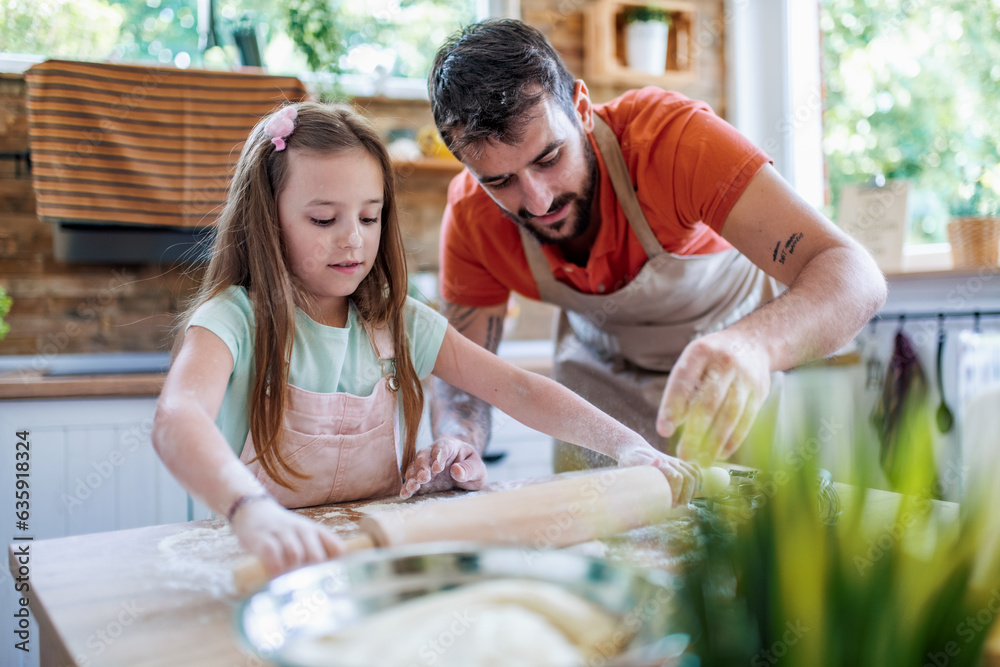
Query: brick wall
x=421, y=192
x=64, y=307
x=68, y=308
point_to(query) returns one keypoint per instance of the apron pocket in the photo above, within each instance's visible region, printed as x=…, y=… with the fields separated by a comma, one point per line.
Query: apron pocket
x=368, y=466
x=342, y=468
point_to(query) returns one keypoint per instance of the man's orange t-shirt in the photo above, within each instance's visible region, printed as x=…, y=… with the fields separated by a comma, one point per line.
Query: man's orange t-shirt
x=688, y=167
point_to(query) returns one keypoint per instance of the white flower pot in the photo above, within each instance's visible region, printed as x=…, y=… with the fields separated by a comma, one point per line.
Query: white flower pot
x=646, y=46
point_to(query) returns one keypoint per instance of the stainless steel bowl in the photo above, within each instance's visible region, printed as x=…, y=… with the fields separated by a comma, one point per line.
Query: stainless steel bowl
x=330, y=596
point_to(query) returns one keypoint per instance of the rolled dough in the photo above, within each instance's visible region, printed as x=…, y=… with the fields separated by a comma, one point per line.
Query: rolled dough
x=496, y=623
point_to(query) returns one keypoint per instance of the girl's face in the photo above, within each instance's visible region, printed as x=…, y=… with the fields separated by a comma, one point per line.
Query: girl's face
x=330, y=213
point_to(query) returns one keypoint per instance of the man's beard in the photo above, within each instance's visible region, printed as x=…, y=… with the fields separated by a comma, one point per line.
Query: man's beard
x=578, y=222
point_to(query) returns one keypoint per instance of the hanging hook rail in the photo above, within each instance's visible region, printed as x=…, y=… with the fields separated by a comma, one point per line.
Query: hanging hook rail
x=938, y=315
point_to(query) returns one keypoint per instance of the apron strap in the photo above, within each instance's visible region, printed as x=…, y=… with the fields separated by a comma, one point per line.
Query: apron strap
x=611, y=151
x=607, y=145
x=537, y=263
x=381, y=340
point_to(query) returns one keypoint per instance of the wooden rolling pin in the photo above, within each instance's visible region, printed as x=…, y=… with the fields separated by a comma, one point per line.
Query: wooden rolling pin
x=537, y=516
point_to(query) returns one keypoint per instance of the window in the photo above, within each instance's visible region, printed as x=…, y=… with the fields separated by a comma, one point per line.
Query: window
x=912, y=91
x=895, y=89
x=367, y=45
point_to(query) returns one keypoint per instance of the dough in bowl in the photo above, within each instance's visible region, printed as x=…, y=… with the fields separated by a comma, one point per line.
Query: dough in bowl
x=496, y=623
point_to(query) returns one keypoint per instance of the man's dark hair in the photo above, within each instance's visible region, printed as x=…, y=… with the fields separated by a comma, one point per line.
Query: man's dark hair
x=487, y=78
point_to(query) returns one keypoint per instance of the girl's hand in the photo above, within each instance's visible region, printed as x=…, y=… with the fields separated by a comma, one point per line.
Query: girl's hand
x=684, y=477
x=282, y=539
x=427, y=474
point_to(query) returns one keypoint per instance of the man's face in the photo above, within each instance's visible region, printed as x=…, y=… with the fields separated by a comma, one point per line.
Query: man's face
x=545, y=183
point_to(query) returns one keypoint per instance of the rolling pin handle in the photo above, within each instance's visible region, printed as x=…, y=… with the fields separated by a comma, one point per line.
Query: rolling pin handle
x=250, y=575
x=359, y=543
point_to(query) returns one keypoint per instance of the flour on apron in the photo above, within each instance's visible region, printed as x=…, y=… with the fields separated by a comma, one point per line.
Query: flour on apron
x=616, y=349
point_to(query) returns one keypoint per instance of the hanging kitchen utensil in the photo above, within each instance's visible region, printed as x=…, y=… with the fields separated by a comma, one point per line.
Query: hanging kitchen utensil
x=899, y=407
x=874, y=370
x=944, y=417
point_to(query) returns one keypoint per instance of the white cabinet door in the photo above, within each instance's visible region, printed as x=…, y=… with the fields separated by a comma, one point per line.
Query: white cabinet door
x=92, y=469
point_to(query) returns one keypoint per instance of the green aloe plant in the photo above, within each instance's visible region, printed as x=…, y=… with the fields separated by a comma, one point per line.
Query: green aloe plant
x=916, y=583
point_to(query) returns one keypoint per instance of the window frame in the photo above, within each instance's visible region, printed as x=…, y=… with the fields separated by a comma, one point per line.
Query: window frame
x=780, y=111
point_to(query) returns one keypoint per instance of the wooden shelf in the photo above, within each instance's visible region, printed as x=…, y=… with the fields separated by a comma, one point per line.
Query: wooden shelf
x=604, y=43
x=948, y=274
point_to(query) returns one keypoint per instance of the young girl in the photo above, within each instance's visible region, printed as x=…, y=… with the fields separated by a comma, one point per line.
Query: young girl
x=302, y=349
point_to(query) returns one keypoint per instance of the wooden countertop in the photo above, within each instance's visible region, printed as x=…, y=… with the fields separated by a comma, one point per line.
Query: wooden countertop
x=163, y=595
x=35, y=385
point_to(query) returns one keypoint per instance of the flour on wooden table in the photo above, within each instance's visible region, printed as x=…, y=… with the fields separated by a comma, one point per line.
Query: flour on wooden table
x=390, y=504
x=201, y=559
x=336, y=518
x=396, y=504
x=508, y=485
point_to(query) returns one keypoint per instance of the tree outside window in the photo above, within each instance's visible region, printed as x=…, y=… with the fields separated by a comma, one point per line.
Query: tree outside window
x=913, y=92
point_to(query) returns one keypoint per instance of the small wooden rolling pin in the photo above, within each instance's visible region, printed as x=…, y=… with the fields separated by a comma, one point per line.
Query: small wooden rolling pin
x=539, y=516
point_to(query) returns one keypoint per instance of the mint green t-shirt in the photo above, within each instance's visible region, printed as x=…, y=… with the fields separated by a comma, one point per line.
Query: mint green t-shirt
x=324, y=359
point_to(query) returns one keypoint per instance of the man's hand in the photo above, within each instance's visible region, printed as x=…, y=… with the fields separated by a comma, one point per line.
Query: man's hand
x=715, y=389
x=448, y=463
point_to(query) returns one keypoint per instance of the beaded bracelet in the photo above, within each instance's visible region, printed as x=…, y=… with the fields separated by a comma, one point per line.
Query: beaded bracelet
x=243, y=500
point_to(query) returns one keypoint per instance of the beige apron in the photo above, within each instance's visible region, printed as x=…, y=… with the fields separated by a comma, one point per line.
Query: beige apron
x=347, y=443
x=615, y=350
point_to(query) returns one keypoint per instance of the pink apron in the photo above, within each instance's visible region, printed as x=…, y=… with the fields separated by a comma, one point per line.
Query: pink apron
x=347, y=443
x=616, y=349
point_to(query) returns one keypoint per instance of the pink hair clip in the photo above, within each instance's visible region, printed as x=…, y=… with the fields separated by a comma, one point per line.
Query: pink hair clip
x=280, y=126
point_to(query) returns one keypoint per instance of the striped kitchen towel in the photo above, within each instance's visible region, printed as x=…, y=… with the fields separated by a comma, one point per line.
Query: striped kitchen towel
x=128, y=144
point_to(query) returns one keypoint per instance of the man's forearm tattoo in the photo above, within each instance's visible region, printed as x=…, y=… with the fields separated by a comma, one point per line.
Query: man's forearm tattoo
x=494, y=332
x=781, y=252
x=460, y=415
x=454, y=412
x=459, y=317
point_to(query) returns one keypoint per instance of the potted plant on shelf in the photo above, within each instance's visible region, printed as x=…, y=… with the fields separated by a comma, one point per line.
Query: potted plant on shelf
x=974, y=228
x=646, y=32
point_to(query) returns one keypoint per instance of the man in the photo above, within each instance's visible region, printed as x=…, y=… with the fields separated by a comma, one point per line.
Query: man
x=655, y=226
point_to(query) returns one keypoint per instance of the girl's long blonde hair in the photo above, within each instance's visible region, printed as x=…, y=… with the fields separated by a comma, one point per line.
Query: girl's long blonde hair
x=248, y=251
